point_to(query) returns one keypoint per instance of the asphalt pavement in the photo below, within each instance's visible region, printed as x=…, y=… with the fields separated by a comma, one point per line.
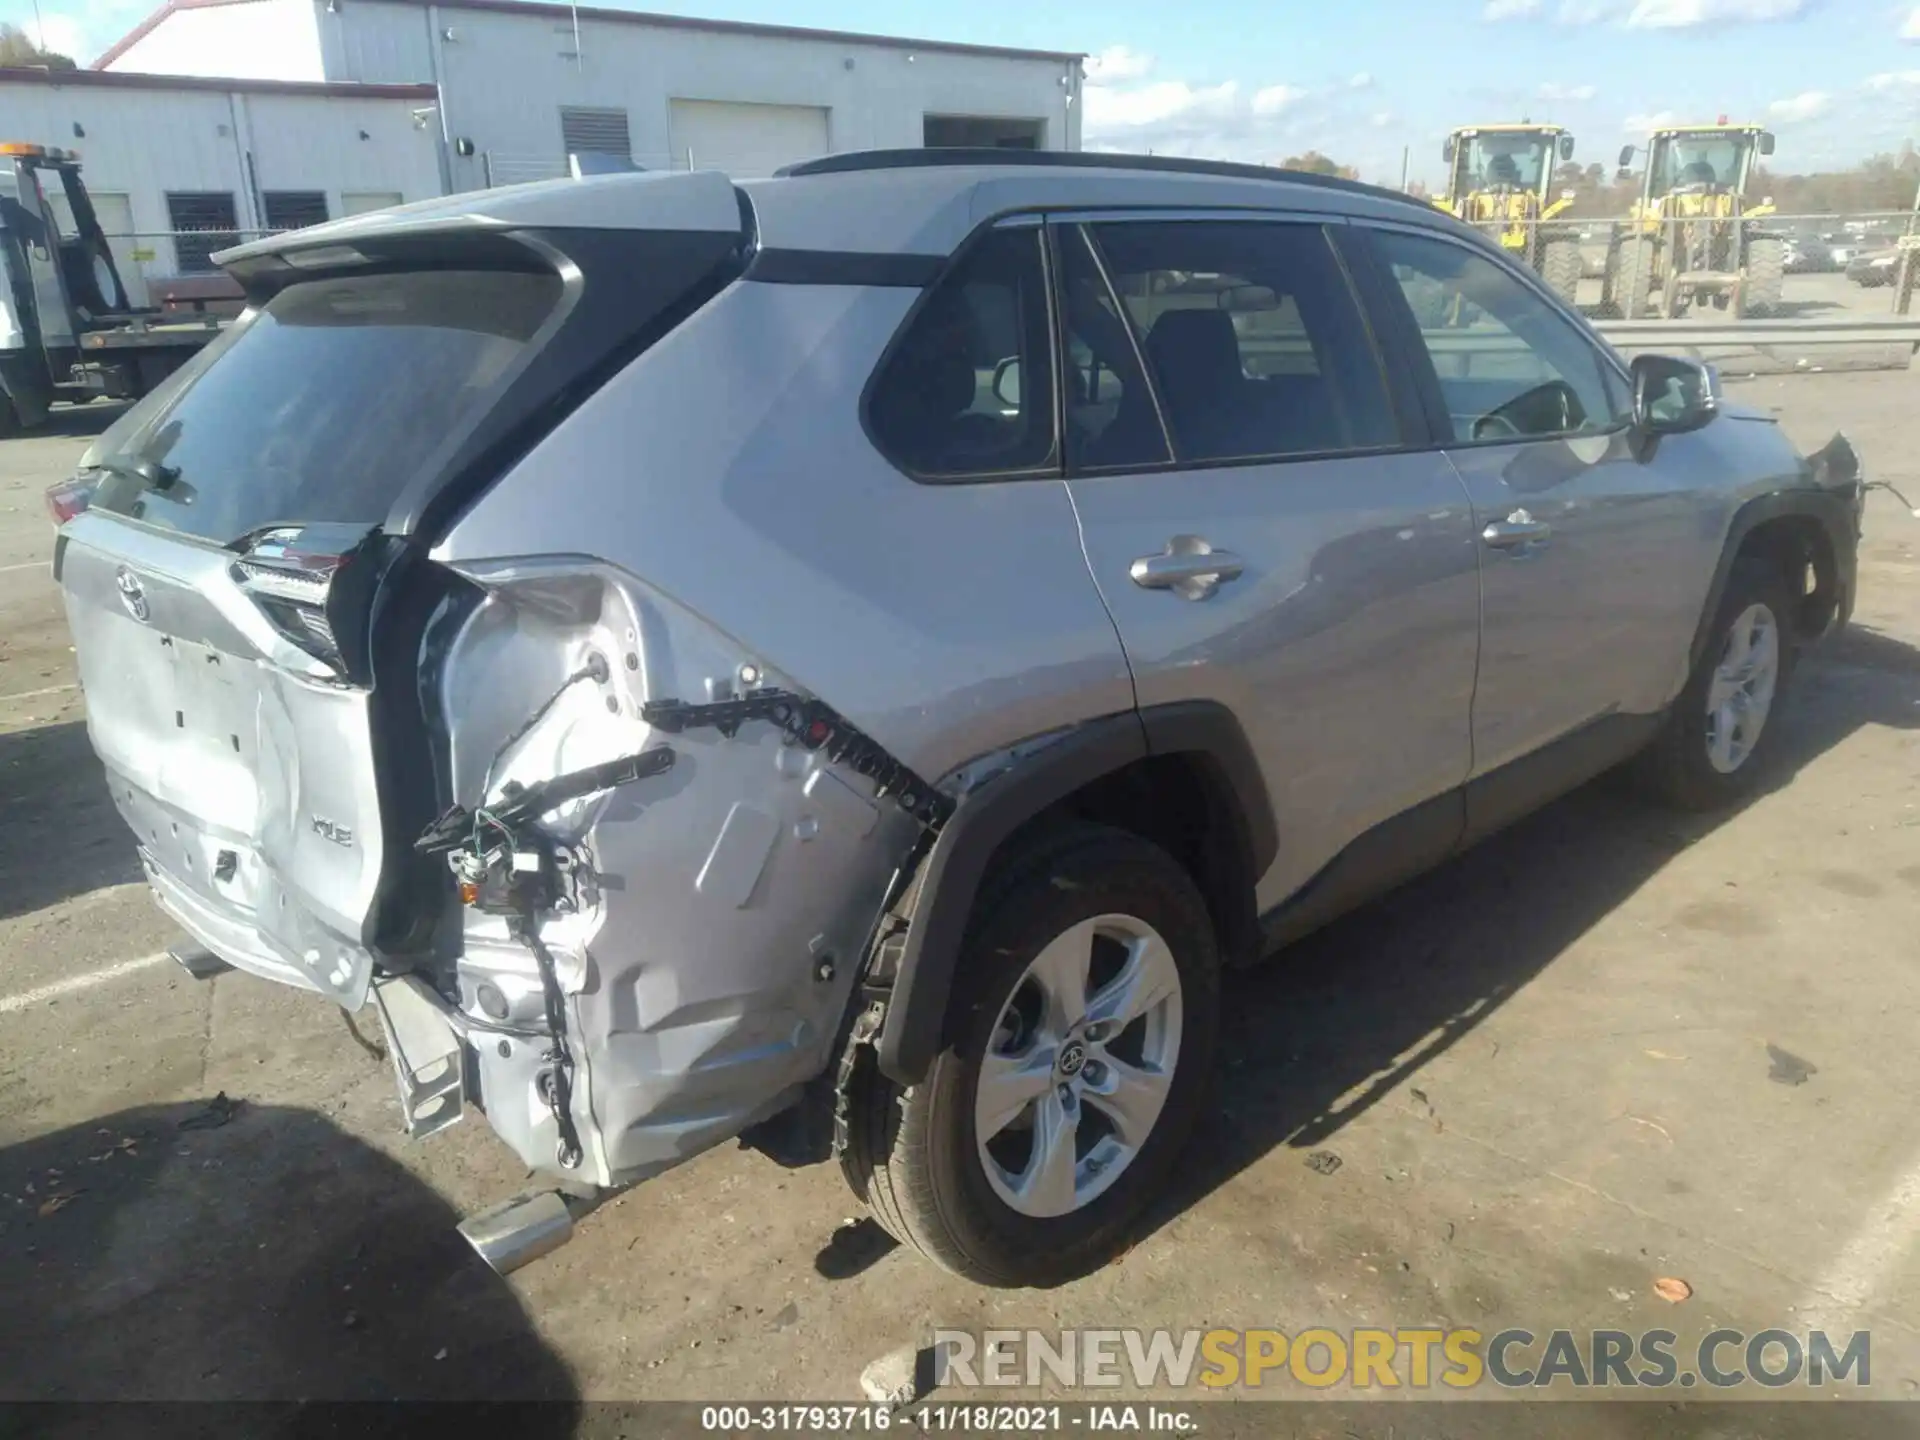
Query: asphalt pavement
x=1610, y=1047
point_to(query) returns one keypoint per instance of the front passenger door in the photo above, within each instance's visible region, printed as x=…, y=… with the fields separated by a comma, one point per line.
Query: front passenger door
x=1588, y=543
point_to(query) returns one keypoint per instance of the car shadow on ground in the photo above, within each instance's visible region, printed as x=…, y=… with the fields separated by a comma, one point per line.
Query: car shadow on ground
x=156, y=1254
x=62, y=836
x=1318, y=1035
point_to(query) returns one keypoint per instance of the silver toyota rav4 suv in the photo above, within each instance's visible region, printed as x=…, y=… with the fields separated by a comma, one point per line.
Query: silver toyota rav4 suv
x=852, y=657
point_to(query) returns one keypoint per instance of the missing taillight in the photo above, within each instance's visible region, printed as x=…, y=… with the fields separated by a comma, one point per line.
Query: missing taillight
x=68, y=499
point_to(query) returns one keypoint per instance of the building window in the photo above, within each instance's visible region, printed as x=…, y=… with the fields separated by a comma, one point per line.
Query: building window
x=203, y=222
x=979, y=132
x=359, y=202
x=293, y=209
x=594, y=130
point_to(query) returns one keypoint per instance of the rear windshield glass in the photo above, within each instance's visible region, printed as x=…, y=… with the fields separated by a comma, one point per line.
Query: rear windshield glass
x=325, y=404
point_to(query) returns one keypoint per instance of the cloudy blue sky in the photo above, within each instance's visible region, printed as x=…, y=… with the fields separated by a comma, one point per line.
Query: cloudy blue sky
x=1259, y=80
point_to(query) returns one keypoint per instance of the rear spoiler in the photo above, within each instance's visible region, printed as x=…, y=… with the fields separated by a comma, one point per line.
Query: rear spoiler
x=703, y=201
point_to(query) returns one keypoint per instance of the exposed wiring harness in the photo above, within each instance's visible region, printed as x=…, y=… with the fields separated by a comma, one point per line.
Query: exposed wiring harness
x=596, y=670
x=507, y=863
x=814, y=725
x=1887, y=485
x=525, y=928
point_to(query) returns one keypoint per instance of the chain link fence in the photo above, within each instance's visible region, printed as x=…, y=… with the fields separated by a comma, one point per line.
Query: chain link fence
x=1769, y=266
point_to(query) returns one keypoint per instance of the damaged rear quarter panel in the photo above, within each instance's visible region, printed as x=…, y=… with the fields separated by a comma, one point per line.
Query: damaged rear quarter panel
x=711, y=957
x=730, y=510
x=727, y=468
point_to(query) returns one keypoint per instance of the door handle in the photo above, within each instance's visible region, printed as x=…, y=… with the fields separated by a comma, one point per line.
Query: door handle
x=1517, y=531
x=1189, y=567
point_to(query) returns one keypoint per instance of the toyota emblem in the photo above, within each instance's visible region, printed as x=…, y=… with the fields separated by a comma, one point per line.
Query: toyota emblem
x=133, y=594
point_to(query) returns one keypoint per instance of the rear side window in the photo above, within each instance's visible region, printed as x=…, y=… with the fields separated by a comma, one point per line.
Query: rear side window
x=1251, y=335
x=327, y=403
x=968, y=390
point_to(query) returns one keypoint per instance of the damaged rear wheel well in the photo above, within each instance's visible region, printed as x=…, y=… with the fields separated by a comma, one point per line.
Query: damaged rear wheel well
x=1180, y=775
x=1183, y=804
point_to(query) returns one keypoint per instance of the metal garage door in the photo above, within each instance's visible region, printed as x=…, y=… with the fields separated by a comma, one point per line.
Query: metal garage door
x=744, y=140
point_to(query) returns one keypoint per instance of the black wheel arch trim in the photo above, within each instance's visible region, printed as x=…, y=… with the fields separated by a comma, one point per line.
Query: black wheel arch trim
x=1832, y=509
x=984, y=820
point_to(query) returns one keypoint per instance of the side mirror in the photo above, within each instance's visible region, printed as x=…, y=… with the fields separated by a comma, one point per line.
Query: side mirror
x=1566, y=147
x=1672, y=396
x=1626, y=157
x=1446, y=151
x=1766, y=142
x=1006, y=382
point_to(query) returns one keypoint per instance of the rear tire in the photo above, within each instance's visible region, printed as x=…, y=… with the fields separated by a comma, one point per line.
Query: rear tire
x=1560, y=267
x=977, y=1200
x=1766, y=276
x=1716, y=737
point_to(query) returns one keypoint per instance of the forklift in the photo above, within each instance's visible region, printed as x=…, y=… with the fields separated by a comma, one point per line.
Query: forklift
x=66, y=329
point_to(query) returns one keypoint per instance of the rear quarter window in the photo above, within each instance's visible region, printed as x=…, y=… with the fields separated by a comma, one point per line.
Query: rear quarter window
x=968, y=389
x=327, y=402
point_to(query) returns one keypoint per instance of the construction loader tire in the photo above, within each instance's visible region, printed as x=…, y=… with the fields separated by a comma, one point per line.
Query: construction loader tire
x=1560, y=266
x=1632, y=279
x=1766, y=275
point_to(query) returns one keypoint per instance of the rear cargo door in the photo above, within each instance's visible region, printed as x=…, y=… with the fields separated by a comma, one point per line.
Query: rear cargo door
x=198, y=588
x=225, y=588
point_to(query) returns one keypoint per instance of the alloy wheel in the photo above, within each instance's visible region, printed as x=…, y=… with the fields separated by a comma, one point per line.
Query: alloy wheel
x=1741, y=692
x=1079, y=1066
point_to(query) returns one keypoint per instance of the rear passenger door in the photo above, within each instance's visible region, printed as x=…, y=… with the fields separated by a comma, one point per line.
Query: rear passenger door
x=1260, y=519
x=1588, y=544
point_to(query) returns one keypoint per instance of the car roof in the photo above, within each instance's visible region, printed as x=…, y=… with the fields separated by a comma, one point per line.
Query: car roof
x=892, y=202
x=928, y=201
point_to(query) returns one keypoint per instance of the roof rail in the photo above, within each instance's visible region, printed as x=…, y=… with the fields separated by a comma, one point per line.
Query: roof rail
x=851, y=161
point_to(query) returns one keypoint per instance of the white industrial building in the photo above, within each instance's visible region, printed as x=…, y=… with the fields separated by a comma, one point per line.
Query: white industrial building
x=219, y=118
x=521, y=85
x=218, y=158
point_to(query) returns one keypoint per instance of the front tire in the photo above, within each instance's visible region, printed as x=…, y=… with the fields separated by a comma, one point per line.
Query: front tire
x=1079, y=1047
x=1715, y=738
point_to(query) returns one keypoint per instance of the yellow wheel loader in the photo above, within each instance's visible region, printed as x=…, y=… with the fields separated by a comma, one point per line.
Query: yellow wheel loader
x=1691, y=238
x=1500, y=177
